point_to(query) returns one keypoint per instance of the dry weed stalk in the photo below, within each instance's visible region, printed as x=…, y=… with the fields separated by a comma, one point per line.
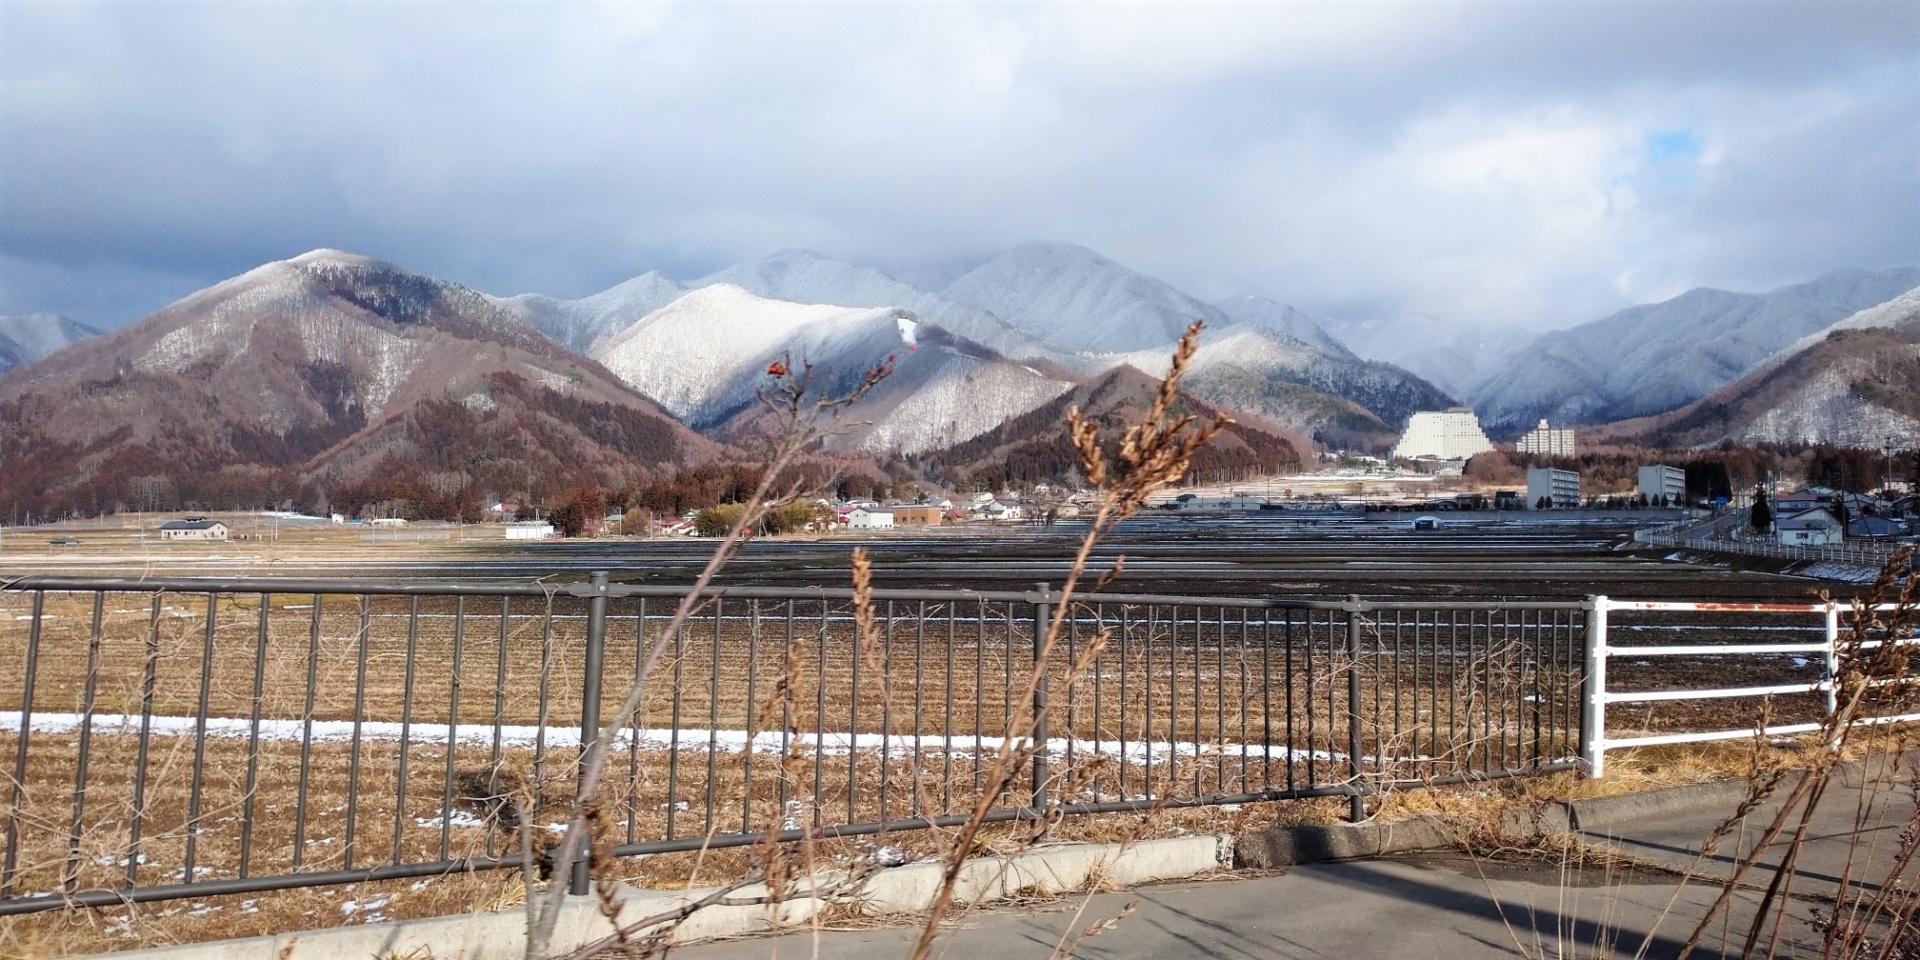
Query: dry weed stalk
x=798, y=424
x=1152, y=454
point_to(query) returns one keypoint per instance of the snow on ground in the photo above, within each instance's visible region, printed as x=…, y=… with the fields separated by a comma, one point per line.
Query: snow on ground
x=688, y=738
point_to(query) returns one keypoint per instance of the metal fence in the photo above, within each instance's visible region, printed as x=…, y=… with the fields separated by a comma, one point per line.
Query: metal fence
x=189, y=737
x=1866, y=553
x=1711, y=665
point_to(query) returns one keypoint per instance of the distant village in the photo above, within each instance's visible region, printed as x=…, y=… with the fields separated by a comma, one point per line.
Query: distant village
x=1435, y=445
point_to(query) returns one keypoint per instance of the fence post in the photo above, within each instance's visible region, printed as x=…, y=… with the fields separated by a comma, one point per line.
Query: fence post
x=580, y=883
x=1593, y=720
x=1356, y=802
x=1042, y=617
x=1833, y=657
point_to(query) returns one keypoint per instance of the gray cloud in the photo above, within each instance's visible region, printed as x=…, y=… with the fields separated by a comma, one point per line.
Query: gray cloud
x=1521, y=163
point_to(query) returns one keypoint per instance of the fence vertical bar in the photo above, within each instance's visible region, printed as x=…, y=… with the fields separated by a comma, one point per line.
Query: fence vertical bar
x=1042, y=616
x=200, y=741
x=148, y=679
x=581, y=883
x=29, y=673
x=359, y=722
x=1833, y=657
x=1356, y=801
x=406, y=730
x=253, y=734
x=1593, y=721
x=306, y=742
x=70, y=877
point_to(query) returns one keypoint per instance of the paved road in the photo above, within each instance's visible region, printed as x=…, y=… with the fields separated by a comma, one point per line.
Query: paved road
x=1855, y=834
x=1416, y=909
x=1429, y=906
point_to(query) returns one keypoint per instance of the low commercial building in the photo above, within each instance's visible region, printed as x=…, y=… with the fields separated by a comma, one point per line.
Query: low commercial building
x=1453, y=434
x=1556, y=442
x=193, y=528
x=1558, y=489
x=1663, y=485
x=918, y=516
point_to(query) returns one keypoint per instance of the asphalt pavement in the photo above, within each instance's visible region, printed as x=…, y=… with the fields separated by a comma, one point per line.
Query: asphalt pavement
x=1428, y=906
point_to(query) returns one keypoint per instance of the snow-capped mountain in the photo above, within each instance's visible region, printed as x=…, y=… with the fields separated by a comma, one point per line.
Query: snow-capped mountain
x=1450, y=355
x=36, y=336
x=800, y=276
x=1064, y=305
x=705, y=355
x=1261, y=371
x=1283, y=319
x=326, y=366
x=1073, y=299
x=1655, y=357
x=584, y=323
x=1034, y=446
x=1856, y=383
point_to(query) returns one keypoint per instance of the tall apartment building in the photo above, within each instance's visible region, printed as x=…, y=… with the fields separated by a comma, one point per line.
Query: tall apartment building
x=1447, y=435
x=1660, y=484
x=1547, y=440
x=1561, y=488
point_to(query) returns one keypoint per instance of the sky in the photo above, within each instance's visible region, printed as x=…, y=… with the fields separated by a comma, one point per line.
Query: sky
x=1530, y=164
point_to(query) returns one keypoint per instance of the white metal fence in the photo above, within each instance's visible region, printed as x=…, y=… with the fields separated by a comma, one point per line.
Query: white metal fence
x=1821, y=622
x=1865, y=553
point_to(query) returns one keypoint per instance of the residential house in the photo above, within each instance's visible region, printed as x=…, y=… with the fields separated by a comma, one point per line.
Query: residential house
x=193, y=528
x=1809, y=528
x=1876, y=528
x=999, y=512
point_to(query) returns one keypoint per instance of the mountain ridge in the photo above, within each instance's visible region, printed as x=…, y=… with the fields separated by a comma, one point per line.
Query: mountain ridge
x=25, y=338
x=1650, y=358
x=326, y=371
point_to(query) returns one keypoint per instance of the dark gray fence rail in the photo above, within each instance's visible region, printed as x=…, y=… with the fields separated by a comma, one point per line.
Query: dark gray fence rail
x=190, y=737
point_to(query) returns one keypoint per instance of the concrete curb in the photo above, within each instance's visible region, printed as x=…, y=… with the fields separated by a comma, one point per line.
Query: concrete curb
x=909, y=889
x=1289, y=846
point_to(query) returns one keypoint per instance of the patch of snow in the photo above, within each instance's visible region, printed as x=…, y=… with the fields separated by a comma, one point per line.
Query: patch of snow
x=686, y=738
x=460, y=818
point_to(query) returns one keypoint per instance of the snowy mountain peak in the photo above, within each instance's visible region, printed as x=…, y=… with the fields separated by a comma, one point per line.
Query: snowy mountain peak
x=586, y=323
x=1656, y=357
x=800, y=276
x=330, y=255
x=36, y=336
x=1073, y=299
x=1284, y=319
x=705, y=355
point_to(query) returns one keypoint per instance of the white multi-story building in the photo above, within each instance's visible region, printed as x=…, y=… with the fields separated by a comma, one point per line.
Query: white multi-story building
x=1560, y=488
x=862, y=518
x=1447, y=435
x=1662, y=484
x=1547, y=440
